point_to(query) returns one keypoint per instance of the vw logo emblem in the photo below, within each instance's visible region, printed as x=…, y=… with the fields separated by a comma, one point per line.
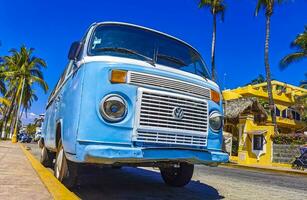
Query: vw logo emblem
x=178, y=113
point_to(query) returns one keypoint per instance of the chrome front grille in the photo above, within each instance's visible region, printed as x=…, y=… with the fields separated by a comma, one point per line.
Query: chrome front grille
x=171, y=138
x=142, y=79
x=157, y=122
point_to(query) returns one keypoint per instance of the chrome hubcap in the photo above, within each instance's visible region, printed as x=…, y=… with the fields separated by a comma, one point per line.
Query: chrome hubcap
x=59, y=163
x=43, y=152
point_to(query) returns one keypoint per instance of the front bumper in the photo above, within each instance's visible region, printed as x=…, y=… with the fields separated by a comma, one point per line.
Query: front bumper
x=112, y=154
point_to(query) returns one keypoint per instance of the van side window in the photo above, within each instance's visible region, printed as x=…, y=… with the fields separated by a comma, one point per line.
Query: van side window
x=56, y=88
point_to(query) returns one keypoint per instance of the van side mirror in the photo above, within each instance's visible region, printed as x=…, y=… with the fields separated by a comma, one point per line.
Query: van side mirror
x=74, y=50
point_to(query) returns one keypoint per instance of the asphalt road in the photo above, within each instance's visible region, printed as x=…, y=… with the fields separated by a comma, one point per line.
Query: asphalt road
x=208, y=183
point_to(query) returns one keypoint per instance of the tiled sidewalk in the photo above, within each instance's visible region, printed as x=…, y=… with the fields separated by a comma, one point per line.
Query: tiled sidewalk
x=18, y=180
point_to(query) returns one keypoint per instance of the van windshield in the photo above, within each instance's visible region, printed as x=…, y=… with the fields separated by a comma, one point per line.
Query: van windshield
x=137, y=43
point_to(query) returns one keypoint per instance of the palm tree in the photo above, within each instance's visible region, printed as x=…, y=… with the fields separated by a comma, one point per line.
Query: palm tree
x=268, y=6
x=300, y=43
x=22, y=71
x=8, y=113
x=4, y=102
x=31, y=129
x=217, y=7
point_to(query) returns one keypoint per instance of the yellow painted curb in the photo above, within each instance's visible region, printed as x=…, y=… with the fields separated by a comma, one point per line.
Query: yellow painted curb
x=284, y=165
x=54, y=186
x=283, y=171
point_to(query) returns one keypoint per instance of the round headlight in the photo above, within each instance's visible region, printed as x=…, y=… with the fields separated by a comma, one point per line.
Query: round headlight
x=216, y=121
x=113, y=108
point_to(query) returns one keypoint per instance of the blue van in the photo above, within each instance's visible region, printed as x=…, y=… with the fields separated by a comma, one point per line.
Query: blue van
x=133, y=96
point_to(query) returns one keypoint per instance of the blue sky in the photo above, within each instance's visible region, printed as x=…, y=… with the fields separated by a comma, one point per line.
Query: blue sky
x=51, y=26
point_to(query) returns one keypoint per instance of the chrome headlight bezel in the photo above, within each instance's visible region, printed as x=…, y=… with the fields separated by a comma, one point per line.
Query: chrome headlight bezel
x=215, y=115
x=104, y=109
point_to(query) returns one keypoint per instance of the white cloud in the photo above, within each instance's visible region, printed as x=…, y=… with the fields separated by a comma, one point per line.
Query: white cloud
x=26, y=119
x=32, y=114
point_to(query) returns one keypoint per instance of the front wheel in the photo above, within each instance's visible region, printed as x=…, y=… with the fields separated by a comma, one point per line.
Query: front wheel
x=177, y=176
x=64, y=170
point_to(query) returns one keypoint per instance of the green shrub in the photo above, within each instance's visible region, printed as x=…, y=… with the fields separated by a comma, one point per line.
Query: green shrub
x=297, y=138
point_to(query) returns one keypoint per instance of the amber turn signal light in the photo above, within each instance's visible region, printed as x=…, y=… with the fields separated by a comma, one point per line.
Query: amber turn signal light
x=118, y=76
x=215, y=96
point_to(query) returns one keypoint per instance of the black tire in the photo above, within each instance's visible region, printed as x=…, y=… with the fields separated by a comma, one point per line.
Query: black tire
x=46, y=158
x=177, y=176
x=67, y=171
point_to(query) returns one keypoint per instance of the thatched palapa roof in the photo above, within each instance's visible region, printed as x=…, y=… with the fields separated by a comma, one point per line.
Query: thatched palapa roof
x=247, y=105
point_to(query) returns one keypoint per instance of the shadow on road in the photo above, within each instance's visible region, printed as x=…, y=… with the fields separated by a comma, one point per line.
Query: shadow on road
x=134, y=184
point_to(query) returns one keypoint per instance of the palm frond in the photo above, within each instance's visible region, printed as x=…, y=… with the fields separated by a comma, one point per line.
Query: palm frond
x=4, y=101
x=215, y=6
x=204, y=3
x=293, y=57
x=2, y=87
x=41, y=83
x=299, y=43
x=38, y=73
x=259, y=5
x=21, y=66
x=267, y=5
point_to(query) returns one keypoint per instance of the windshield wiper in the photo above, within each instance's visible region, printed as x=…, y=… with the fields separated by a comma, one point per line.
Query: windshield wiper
x=127, y=51
x=172, y=59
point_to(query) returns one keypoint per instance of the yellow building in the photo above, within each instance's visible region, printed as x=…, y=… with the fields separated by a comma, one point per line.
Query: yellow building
x=248, y=121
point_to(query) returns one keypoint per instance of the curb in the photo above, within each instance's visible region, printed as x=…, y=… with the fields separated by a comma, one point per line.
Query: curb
x=54, y=186
x=282, y=171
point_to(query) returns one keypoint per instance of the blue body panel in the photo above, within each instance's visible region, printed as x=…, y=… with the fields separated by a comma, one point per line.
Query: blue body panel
x=95, y=153
x=88, y=138
x=69, y=111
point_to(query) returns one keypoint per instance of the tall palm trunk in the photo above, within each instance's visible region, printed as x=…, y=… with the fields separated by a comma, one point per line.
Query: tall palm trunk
x=3, y=125
x=268, y=72
x=7, y=116
x=13, y=121
x=20, y=96
x=213, y=47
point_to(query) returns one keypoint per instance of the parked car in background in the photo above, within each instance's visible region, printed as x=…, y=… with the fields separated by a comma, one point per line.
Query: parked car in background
x=25, y=138
x=39, y=124
x=133, y=96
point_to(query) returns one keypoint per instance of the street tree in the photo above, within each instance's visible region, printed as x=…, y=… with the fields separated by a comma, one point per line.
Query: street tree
x=31, y=129
x=217, y=8
x=22, y=71
x=268, y=7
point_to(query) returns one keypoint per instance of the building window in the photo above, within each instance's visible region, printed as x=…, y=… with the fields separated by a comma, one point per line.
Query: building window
x=277, y=111
x=258, y=142
x=296, y=115
x=284, y=113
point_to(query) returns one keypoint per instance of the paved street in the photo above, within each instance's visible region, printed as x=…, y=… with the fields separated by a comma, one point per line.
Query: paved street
x=208, y=183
